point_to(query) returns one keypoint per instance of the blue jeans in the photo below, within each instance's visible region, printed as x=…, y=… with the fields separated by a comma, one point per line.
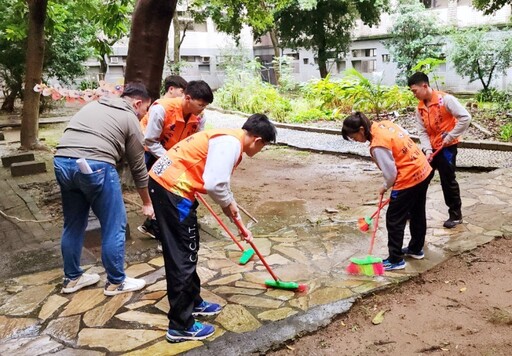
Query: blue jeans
x=101, y=191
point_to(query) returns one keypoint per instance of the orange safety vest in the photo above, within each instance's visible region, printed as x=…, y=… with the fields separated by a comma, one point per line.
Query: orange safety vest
x=436, y=119
x=174, y=128
x=181, y=169
x=411, y=164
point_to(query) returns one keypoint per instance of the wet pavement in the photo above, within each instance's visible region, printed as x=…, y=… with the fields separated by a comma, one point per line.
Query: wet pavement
x=35, y=319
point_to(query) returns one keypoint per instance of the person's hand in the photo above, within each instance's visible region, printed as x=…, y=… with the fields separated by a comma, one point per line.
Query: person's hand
x=382, y=190
x=249, y=236
x=231, y=211
x=429, y=157
x=147, y=210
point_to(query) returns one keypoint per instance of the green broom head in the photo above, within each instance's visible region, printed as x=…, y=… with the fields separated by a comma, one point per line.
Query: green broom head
x=246, y=256
x=367, y=266
x=368, y=260
x=286, y=285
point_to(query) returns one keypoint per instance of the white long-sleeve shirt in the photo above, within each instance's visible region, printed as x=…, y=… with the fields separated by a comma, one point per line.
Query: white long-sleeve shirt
x=384, y=159
x=223, y=154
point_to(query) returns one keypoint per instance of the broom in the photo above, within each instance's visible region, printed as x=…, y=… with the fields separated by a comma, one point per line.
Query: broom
x=276, y=283
x=364, y=223
x=246, y=254
x=369, y=265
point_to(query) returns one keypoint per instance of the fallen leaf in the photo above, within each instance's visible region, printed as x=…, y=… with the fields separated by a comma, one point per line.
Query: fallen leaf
x=343, y=324
x=462, y=290
x=379, y=318
x=290, y=348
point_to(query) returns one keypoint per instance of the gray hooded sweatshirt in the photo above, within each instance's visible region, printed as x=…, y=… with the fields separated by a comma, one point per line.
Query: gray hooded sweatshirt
x=106, y=130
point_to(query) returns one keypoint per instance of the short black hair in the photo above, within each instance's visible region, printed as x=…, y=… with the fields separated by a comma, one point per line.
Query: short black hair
x=353, y=123
x=259, y=125
x=199, y=89
x=136, y=90
x=418, y=78
x=174, y=81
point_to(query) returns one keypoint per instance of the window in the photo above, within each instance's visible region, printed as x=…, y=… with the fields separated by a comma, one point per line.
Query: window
x=292, y=55
x=365, y=52
x=204, y=68
x=305, y=60
x=429, y=4
x=341, y=66
x=365, y=66
x=385, y=58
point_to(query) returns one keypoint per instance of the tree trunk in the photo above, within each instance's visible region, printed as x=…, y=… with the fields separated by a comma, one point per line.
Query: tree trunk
x=277, y=54
x=8, y=104
x=322, y=62
x=148, y=39
x=103, y=65
x=177, y=43
x=33, y=73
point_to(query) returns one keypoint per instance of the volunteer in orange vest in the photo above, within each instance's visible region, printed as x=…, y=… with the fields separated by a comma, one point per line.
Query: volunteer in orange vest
x=203, y=163
x=441, y=120
x=407, y=173
x=170, y=120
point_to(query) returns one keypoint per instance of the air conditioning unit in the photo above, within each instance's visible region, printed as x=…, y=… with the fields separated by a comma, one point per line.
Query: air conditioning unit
x=205, y=59
x=114, y=60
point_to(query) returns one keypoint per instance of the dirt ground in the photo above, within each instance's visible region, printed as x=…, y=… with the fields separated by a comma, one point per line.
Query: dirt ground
x=462, y=307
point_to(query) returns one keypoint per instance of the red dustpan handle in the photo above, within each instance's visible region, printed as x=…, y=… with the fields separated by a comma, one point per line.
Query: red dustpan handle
x=221, y=223
x=244, y=233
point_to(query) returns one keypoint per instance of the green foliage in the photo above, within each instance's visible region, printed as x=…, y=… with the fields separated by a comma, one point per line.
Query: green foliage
x=415, y=36
x=373, y=97
x=286, y=80
x=490, y=6
x=501, y=99
x=244, y=90
x=481, y=54
x=429, y=66
x=330, y=95
x=506, y=132
x=73, y=30
x=326, y=28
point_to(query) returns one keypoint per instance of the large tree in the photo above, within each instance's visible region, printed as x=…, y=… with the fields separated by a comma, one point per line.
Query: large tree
x=326, y=27
x=148, y=41
x=33, y=73
x=415, y=36
x=481, y=54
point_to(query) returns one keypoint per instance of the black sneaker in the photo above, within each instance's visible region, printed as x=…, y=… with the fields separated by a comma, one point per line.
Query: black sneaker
x=451, y=223
x=147, y=228
x=417, y=256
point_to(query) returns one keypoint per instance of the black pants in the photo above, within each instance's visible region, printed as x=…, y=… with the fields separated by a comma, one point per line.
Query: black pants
x=407, y=204
x=179, y=234
x=444, y=162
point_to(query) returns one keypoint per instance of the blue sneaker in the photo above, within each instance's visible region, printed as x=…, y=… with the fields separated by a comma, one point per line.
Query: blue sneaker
x=388, y=266
x=197, y=331
x=206, y=308
x=417, y=256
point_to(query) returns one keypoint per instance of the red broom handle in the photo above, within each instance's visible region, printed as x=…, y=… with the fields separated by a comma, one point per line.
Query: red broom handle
x=221, y=223
x=380, y=207
x=376, y=225
x=244, y=233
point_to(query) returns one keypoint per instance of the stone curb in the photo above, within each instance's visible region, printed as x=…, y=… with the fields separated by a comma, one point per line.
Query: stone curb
x=482, y=145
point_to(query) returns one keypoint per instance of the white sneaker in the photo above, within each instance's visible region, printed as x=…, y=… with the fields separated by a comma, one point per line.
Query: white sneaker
x=72, y=285
x=128, y=285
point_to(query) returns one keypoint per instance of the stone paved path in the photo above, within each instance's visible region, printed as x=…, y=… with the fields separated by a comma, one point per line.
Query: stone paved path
x=35, y=319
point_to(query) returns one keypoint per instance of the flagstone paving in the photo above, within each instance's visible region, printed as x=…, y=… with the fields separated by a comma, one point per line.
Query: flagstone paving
x=36, y=319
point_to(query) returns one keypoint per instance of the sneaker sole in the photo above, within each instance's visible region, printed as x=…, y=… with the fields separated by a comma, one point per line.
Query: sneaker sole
x=416, y=257
x=77, y=287
x=141, y=229
x=205, y=313
x=111, y=293
x=174, y=339
x=394, y=268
